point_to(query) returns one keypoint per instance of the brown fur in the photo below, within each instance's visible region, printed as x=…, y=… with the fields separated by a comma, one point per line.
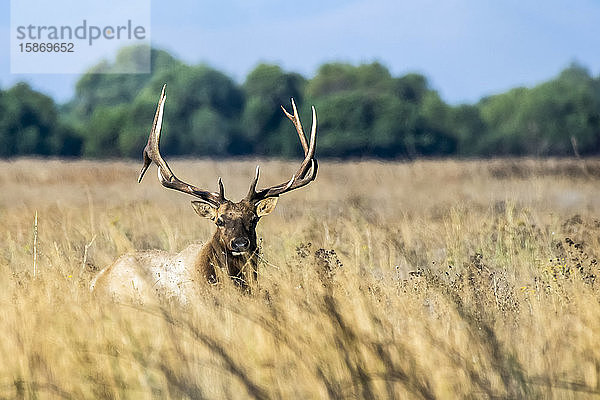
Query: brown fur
x=141, y=275
x=232, y=249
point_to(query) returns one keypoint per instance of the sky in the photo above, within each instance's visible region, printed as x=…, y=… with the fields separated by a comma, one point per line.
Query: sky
x=466, y=48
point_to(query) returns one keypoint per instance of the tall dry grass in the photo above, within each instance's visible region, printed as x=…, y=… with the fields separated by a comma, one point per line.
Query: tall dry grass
x=432, y=279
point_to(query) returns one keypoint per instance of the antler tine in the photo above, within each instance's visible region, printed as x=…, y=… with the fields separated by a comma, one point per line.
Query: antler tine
x=252, y=190
x=308, y=168
x=166, y=177
x=295, y=118
x=313, y=133
x=221, y=189
x=154, y=136
x=310, y=152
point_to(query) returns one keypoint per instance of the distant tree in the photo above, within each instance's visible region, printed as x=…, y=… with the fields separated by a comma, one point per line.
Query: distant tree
x=202, y=112
x=411, y=87
x=103, y=86
x=29, y=125
x=103, y=131
x=65, y=141
x=265, y=129
x=542, y=120
x=498, y=113
x=337, y=77
x=361, y=124
x=435, y=135
x=363, y=111
x=467, y=125
x=568, y=106
x=136, y=121
x=370, y=113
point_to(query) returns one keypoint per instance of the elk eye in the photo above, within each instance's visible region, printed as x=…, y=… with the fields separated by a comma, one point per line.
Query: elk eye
x=220, y=222
x=254, y=219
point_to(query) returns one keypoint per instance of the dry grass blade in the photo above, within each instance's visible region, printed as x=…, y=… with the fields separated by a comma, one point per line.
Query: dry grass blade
x=461, y=280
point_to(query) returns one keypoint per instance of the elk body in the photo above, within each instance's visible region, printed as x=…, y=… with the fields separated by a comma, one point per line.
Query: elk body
x=232, y=250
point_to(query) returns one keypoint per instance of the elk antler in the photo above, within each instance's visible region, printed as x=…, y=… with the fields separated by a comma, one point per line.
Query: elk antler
x=166, y=177
x=308, y=169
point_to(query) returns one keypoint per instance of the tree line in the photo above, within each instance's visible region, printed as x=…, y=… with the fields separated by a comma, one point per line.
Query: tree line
x=363, y=111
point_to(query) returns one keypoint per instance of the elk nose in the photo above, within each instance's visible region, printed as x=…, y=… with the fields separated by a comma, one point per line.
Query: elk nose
x=240, y=244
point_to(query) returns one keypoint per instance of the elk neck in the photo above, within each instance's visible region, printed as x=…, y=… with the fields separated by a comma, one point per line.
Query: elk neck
x=214, y=254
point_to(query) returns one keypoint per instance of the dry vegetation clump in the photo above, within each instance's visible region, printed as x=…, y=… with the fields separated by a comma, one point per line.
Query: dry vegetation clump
x=431, y=279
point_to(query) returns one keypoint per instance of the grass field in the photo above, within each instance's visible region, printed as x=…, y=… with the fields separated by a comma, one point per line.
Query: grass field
x=431, y=279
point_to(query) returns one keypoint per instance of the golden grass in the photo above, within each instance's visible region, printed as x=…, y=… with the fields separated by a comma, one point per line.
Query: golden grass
x=432, y=279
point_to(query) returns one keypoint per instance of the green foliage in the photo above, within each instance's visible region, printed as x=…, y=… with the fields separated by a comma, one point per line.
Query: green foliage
x=203, y=111
x=29, y=124
x=105, y=128
x=411, y=87
x=468, y=125
x=544, y=120
x=265, y=130
x=335, y=78
x=362, y=111
x=104, y=86
x=367, y=112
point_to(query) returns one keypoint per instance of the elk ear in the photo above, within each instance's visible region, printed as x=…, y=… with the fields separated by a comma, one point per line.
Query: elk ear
x=205, y=210
x=265, y=206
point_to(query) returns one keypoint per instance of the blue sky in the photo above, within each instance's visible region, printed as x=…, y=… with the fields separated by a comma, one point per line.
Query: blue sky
x=467, y=48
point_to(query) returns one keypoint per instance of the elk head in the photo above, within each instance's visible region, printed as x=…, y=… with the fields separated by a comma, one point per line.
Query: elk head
x=236, y=222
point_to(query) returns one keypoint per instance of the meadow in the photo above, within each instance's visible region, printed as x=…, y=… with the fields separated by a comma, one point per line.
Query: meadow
x=425, y=279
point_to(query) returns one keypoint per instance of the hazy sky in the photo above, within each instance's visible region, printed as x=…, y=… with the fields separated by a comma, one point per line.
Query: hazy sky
x=467, y=48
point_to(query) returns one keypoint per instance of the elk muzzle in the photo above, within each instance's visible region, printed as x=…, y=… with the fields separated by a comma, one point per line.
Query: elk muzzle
x=239, y=245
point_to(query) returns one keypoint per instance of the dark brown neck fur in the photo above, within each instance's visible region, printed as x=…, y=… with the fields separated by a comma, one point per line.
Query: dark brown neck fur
x=214, y=254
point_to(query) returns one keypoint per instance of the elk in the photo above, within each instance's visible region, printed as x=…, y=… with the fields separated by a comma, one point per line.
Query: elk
x=232, y=250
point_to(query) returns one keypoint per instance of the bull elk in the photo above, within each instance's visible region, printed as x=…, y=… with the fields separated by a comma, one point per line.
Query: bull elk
x=232, y=250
